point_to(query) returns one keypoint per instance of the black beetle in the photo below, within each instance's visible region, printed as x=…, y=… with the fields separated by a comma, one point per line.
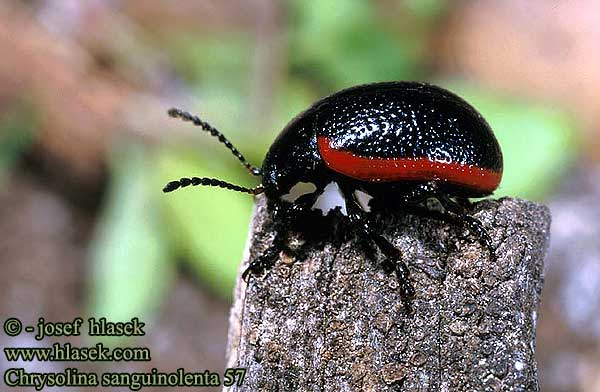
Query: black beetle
x=399, y=142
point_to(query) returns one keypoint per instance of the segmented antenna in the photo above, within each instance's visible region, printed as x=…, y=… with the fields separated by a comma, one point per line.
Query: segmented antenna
x=185, y=116
x=195, y=181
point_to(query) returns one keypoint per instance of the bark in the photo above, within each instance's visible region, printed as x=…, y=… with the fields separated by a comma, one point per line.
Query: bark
x=333, y=320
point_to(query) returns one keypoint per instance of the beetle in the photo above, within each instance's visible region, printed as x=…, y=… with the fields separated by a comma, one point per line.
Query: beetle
x=401, y=143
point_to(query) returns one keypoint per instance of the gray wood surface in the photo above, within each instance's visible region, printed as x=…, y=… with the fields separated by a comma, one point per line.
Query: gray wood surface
x=332, y=320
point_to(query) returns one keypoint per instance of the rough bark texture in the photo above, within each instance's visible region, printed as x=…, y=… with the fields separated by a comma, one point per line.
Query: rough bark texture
x=334, y=320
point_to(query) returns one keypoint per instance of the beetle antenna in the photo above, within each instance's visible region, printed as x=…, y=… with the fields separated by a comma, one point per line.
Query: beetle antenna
x=186, y=116
x=204, y=181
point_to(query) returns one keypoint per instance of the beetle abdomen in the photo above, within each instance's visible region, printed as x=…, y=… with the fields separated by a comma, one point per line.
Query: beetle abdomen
x=393, y=132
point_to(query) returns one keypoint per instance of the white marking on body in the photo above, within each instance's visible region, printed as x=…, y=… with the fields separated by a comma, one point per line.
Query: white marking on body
x=363, y=199
x=300, y=189
x=330, y=199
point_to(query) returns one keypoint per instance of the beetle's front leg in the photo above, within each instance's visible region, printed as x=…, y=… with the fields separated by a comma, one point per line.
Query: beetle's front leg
x=266, y=260
x=393, y=262
x=284, y=214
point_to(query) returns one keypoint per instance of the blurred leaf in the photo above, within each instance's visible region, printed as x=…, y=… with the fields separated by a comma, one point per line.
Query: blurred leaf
x=218, y=69
x=347, y=44
x=208, y=226
x=538, y=141
x=131, y=268
x=294, y=96
x=16, y=135
x=223, y=107
x=225, y=59
x=426, y=9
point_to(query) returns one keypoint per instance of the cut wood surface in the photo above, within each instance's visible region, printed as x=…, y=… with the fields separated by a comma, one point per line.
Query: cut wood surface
x=331, y=319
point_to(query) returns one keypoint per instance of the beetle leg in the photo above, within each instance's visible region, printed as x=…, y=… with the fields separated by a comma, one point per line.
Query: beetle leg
x=267, y=259
x=283, y=216
x=423, y=211
x=458, y=213
x=463, y=201
x=450, y=217
x=393, y=262
x=421, y=191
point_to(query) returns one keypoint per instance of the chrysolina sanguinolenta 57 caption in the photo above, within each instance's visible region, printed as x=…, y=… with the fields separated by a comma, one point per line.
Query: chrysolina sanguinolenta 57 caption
x=401, y=143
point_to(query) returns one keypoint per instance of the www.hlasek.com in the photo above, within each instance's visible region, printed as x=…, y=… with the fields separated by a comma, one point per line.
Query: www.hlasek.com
x=73, y=377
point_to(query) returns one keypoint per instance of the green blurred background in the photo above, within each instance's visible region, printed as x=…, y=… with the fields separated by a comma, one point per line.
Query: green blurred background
x=86, y=146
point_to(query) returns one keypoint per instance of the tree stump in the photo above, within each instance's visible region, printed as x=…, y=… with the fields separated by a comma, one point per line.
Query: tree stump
x=334, y=321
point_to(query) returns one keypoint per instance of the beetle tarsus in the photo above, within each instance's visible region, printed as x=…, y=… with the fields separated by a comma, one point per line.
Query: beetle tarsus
x=458, y=213
x=255, y=268
x=394, y=263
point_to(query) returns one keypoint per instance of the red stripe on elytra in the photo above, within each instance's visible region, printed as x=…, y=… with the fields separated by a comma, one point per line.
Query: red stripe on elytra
x=399, y=169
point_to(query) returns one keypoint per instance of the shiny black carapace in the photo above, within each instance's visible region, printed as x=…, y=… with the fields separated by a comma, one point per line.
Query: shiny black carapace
x=399, y=142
